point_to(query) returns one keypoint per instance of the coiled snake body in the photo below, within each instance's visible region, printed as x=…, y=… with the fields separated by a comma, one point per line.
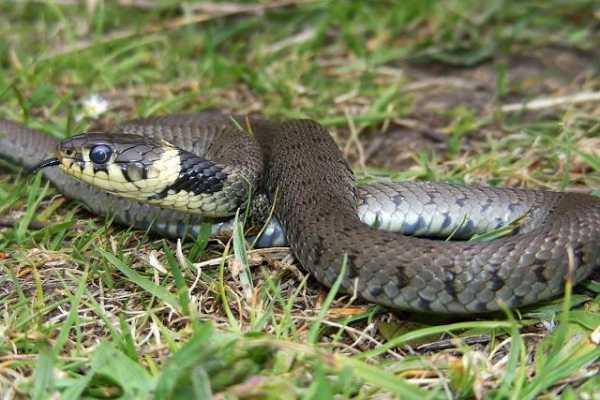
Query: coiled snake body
x=208, y=162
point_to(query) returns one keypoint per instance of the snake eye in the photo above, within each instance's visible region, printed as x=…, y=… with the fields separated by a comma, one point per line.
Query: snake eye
x=100, y=154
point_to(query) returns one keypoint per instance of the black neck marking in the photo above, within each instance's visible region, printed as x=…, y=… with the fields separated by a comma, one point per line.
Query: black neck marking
x=196, y=176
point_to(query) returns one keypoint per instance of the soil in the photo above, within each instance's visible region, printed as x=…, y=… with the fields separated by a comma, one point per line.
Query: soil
x=438, y=89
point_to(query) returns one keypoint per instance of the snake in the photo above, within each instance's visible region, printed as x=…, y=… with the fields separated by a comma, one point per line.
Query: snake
x=398, y=244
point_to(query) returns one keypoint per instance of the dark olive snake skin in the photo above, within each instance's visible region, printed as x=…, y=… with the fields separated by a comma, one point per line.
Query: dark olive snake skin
x=320, y=209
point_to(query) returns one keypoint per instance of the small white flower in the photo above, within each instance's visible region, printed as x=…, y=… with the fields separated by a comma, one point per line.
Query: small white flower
x=93, y=107
x=595, y=336
x=549, y=325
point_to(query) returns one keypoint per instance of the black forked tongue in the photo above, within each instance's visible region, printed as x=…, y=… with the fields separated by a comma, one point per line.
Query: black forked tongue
x=51, y=162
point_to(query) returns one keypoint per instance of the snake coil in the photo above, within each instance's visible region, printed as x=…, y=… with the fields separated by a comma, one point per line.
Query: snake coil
x=303, y=173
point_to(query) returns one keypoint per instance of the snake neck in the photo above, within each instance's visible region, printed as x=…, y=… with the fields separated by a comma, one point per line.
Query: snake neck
x=301, y=157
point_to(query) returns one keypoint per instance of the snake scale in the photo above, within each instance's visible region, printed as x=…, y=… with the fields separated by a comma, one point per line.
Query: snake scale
x=191, y=161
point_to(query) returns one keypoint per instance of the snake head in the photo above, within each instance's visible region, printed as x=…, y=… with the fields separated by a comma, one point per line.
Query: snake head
x=126, y=165
x=148, y=170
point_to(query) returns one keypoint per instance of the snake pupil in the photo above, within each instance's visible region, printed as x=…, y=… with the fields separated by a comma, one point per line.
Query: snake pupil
x=100, y=154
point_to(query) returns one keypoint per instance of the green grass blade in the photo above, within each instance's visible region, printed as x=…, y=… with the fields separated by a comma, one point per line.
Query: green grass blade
x=313, y=333
x=149, y=286
x=434, y=330
x=62, y=338
x=44, y=374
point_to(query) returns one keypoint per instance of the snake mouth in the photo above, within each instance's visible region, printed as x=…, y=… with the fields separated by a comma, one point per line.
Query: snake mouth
x=50, y=162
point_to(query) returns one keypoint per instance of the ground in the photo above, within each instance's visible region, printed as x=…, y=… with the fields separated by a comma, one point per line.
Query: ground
x=501, y=92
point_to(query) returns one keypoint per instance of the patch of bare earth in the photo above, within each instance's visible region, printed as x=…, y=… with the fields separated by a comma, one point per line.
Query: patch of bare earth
x=438, y=89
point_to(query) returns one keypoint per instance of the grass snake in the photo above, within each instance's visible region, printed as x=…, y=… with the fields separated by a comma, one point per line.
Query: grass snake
x=164, y=171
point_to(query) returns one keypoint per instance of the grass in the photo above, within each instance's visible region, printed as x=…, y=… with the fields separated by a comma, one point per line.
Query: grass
x=410, y=90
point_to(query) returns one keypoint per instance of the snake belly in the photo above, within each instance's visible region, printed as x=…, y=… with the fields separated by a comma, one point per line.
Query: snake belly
x=316, y=201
